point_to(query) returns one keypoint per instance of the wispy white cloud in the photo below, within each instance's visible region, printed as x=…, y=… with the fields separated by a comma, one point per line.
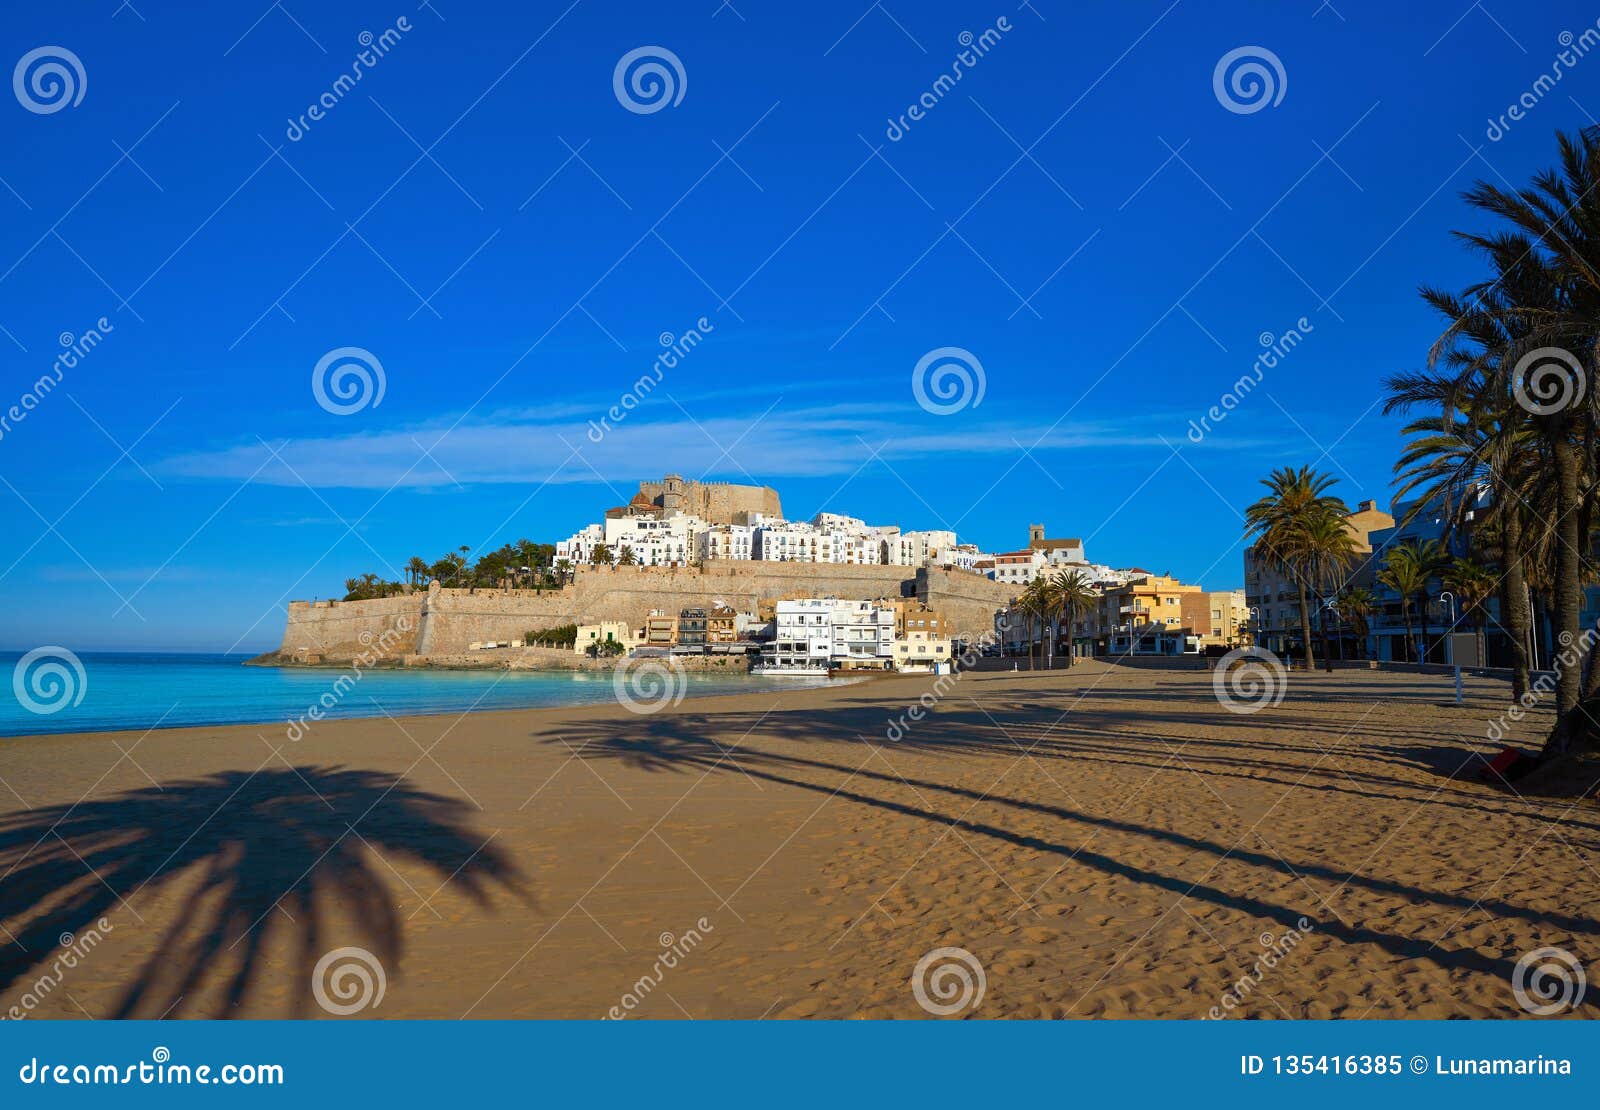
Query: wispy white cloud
x=571, y=444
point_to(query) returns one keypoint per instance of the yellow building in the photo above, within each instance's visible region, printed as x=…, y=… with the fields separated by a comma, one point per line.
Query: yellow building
x=1219, y=617
x=614, y=631
x=921, y=650
x=921, y=635
x=660, y=629
x=1274, y=601
x=720, y=625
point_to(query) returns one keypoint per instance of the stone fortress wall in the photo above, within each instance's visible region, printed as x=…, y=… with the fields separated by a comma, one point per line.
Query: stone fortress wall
x=441, y=621
x=716, y=502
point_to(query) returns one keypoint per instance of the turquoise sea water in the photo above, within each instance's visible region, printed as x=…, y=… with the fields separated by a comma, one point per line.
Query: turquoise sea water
x=132, y=691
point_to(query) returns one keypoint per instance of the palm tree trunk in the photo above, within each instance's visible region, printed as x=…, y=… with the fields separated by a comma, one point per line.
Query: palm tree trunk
x=1422, y=615
x=1514, y=602
x=1568, y=585
x=1411, y=640
x=1305, y=625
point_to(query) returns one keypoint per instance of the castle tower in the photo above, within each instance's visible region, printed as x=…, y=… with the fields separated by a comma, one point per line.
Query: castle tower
x=672, y=500
x=1035, y=535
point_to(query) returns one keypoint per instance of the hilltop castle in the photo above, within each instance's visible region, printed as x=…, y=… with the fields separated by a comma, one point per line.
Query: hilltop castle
x=714, y=502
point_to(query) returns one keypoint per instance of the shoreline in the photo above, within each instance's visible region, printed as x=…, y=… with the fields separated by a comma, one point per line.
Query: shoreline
x=776, y=687
x=1103, y=842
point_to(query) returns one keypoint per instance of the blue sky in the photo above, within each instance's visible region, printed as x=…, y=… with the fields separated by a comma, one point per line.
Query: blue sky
x=484, y=215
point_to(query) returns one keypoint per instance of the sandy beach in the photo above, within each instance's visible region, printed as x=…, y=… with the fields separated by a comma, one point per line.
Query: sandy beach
x=1104, y=842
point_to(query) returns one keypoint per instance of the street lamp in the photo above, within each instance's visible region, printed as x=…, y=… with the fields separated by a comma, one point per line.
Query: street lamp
x=1449, y=599
x=1450, y=642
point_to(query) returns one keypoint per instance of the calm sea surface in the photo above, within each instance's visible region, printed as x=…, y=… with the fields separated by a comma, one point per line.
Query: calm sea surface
x=135, y=691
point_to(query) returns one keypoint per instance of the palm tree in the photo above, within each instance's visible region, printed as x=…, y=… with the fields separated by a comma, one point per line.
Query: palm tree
x=1035, y=602
x=625, y=557
x=1473, y=584
x=1071, y=599
x=1278, y=521
x=1549, y=268
x=564, y=569
x=600, y=554
x=417, y=570
x=1325, y=548
x=1357, y=606
x=1405, y=573
x=1479, y=443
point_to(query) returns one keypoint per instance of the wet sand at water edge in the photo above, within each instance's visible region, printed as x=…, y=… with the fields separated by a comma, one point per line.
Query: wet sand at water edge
x=1104, y=842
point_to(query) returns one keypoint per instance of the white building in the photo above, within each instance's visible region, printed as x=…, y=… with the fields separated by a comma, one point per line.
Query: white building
x=579, y=547
x=793, y=542
x=966, y=556
x=1018, y=568
x=664, y=542
x=812, y=635
x=725, y=541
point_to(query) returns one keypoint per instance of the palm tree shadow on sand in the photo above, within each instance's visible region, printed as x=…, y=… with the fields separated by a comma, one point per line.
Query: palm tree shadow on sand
x=256, y=859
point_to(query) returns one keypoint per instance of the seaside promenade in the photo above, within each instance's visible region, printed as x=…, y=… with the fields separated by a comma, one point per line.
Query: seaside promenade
x=1104, y=842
